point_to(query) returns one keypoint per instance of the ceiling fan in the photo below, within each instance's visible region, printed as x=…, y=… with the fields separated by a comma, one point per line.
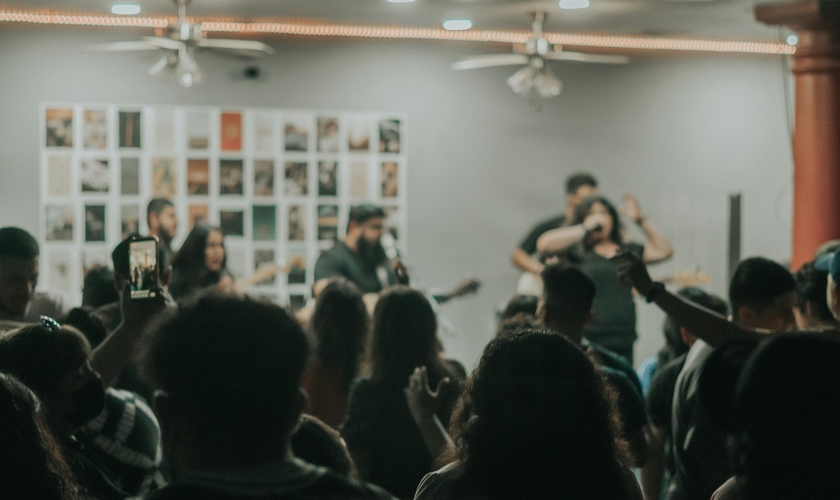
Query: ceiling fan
x=536, y=81
x=181, y=41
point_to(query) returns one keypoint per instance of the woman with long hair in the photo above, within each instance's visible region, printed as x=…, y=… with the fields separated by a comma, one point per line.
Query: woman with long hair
x=32, y=461
x=595, y=236
x=535, y=421
x=200, y=263
x=386, y=444
x=338, y=332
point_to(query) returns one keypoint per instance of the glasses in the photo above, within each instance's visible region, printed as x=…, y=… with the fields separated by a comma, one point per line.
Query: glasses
x=50, y=323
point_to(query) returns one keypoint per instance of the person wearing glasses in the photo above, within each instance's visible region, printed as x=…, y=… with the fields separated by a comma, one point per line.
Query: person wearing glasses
x=19, y=269
x=360, y=256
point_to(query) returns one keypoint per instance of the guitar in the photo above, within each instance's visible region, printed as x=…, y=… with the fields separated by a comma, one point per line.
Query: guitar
x=531, y=283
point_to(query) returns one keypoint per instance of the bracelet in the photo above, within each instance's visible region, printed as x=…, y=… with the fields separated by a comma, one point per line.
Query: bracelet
x=641, y=220
x=653, y=291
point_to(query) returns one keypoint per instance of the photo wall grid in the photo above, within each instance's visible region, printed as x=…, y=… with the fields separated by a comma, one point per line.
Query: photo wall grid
x=279, y=182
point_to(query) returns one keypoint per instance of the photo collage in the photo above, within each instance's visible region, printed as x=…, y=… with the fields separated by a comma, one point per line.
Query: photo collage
x=280, y=183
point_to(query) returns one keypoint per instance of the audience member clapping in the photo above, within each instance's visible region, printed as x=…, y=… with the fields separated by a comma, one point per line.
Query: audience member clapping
x=338, y=330
x=319, y=444
x=386, y=444
x=536, y=421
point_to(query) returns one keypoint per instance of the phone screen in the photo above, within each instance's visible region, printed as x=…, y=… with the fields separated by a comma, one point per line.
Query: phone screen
x=143, y=267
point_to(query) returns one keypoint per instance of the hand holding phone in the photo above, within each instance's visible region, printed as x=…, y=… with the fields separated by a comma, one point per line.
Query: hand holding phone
x=144, y=275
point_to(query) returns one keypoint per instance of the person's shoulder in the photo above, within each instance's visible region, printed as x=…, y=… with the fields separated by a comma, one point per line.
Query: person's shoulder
x=437, y=485
x=332, y=485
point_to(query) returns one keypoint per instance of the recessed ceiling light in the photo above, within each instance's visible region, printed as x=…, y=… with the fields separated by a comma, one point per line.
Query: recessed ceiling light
x=792, y=40
x=400, y=1
x=574, y=4
x=125, y=9
x=457, y=24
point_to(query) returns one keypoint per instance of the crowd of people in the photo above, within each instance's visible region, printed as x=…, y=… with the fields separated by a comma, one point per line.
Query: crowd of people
x=203, y=392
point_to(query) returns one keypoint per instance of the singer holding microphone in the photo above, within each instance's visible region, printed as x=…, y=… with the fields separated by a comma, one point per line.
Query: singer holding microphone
x=594, y=237
x=360, y=257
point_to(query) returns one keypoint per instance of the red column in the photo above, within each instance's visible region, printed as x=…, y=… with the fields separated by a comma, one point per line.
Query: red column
x=816, y=138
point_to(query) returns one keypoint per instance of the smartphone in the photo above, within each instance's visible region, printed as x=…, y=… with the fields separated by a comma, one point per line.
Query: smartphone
x=143, y=268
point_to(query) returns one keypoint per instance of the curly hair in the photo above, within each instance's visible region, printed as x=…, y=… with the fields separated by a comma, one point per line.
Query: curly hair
x=339, y=327
x=32, y=461
x=536, y=422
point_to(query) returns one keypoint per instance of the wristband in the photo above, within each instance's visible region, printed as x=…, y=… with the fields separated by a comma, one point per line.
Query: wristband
x=653, y=291
x=641, y=220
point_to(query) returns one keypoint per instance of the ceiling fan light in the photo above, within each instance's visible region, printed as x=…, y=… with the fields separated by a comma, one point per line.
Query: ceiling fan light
x=522, y=81
x=546, y=84
x=574, y=4
x=187, y=71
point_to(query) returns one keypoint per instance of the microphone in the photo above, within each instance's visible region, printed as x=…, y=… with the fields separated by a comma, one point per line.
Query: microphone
x=597, y=227
x=389, y=244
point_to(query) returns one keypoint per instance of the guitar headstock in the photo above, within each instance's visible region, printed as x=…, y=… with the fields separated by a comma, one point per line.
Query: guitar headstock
x=685, y=279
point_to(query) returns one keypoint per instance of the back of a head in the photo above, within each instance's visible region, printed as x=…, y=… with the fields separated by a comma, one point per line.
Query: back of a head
x=520, y=304
x=810, y=289
x=578, y=180
x=674, y=345
x=32, y=462
x=156, y=206
x=99, y=288
x=757, y=282
x=568, y=294
x=404, y=337
x=534, y=422
x=787, y=406
x=340, y=325
x=17, y=243
x=319, y=444
x=233, y=367
x=39, y=356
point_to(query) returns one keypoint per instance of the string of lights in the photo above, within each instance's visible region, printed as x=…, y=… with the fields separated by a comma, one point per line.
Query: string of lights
x=301, y=28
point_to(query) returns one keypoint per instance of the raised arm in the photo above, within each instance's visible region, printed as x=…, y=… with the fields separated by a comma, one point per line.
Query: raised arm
x=707, y=325
x=114, y=352
x=560, y=239
x=657, y=246
x=423, y=405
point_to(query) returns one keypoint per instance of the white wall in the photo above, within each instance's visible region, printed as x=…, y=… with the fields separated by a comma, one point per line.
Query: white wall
x=681, y=132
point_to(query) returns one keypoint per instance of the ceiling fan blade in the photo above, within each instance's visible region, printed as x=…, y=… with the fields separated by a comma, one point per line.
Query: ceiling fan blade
x=589, y=58
x=164, y=43
x=490, y=61
x=120, y=47
x=164, y=62
x=244, y=47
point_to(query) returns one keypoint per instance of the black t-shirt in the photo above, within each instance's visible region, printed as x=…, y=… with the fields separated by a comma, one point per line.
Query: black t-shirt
x=340, y=260
x=660, y=396
x=529, y=244
x=380, y=426
x=328, y=487
x=614, y=311
x=701, y=460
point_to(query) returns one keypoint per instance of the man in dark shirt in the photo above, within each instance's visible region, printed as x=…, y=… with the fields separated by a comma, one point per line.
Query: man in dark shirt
x=566, y=307
x=578, y=187
x=163, y=223
x=227, y=373
x=660, y=397
x=360, y=257
x=762, y=296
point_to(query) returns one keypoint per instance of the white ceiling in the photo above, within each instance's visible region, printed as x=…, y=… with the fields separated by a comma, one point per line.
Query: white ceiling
x=698, y=18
